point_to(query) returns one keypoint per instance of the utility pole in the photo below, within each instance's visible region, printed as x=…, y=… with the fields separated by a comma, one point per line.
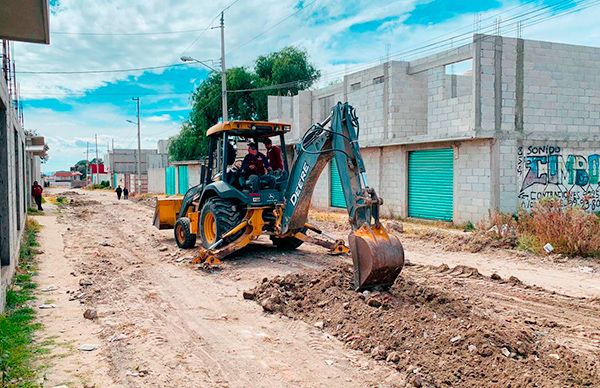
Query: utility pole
x=87, y=161
x=97, y=166
x=223, y=70
x=139, y=150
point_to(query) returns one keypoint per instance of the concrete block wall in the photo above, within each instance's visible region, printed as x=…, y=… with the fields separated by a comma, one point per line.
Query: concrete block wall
x=392, y=181
x=446, y=116
x=506, y=181
x=472, y=180
x=322, y=194
x=156, y=180
x=193, y=175
x=407, y=103
x=323, y=100
x=561, y=88
x=13, y=190
x=366, y=92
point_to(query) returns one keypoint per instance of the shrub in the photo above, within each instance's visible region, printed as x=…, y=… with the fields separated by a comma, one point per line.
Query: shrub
x=468, y=226
x=62, y=200
x=570, y=230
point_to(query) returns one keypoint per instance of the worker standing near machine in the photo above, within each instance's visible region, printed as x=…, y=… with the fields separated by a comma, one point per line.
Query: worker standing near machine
x=274, y=155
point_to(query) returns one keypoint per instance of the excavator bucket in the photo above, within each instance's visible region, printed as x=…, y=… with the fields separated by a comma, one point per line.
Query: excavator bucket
x=378, y=257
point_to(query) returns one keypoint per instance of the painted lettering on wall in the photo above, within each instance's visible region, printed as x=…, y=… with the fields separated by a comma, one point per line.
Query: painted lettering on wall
x=550, y=171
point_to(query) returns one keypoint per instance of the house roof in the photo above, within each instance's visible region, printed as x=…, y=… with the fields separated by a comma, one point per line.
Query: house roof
x=66, y=174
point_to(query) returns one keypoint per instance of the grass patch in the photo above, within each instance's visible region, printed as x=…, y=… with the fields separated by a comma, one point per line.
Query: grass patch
x=62, y=200
x=34, y=212
x=18, y=351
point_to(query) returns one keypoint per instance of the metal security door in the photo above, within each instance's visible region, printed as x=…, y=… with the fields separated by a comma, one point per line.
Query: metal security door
x=337, y=194
x=431, y=184
x=182, y=179
x=170, y=180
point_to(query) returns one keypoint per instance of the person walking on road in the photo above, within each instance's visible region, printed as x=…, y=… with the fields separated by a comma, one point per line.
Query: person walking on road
x=125, y=193
x=36, y=192
x=119, y=191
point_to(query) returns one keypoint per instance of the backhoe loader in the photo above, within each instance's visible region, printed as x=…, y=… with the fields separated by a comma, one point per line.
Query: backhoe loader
x=228, y=210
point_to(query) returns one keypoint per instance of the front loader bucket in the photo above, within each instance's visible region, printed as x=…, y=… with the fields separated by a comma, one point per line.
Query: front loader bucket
x=378, y=257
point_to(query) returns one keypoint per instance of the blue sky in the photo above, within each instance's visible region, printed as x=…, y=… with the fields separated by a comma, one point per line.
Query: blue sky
x=340, y=36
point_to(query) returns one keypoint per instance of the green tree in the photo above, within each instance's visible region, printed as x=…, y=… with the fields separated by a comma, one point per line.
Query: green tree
x=289, y=66
x=81, y=167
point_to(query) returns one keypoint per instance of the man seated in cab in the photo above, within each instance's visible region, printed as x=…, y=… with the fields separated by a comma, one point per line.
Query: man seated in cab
x=274, y=155
x=255, y=165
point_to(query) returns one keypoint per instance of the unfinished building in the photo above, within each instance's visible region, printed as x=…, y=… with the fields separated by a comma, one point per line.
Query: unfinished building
x=496, y=124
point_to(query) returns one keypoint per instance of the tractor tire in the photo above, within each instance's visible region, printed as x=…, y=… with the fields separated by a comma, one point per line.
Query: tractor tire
x=218, y=216
x=286, y=243
x=184, y=238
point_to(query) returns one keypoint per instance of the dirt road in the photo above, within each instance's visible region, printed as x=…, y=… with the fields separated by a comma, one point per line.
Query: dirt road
x=162, y=322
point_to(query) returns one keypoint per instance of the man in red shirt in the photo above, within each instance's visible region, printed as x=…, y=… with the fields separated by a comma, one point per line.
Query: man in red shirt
x=274, y=155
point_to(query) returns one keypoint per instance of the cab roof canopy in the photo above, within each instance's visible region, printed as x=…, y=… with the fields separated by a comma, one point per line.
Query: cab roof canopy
x=246, y=128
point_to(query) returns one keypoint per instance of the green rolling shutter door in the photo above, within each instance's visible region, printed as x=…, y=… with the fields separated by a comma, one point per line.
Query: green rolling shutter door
x=431, y=184
x=170, y=180
x=182, y=179
x=337, y=194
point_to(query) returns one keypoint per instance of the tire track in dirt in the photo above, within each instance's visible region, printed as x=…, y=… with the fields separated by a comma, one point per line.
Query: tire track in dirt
x=188, y=328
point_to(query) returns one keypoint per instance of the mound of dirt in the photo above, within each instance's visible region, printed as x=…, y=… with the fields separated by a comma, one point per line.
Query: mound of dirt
x=144, y=200
x=470, y=242
x=435, y=335
x=83, y=202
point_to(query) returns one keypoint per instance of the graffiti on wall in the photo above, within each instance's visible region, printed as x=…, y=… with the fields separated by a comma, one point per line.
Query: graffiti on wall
x=548, y=171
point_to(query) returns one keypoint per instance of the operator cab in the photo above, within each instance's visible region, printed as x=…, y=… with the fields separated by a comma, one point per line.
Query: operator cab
x=230, y=142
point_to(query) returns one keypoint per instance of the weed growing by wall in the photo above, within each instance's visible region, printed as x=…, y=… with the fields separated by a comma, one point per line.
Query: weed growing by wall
x=17, y=325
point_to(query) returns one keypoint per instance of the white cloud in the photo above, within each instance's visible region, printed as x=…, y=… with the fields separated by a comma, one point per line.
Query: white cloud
x=68, y=132
x=325, y=37
x=159, y=118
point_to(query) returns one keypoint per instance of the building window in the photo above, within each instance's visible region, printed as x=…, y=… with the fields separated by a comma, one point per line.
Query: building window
x=355, y=86
x=378, y=80
x=458, y=78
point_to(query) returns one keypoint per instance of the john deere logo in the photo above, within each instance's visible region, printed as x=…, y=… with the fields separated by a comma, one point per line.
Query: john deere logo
x=300, y=185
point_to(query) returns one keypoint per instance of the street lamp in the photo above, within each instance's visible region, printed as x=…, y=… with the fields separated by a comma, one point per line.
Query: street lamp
x=186, y=58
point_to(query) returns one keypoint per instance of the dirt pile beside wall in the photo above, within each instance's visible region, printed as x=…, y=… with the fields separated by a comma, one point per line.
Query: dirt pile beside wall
x=437, y=336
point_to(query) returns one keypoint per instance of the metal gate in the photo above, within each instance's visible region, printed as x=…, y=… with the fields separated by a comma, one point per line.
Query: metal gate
x=431, y=184
x=182, y=179
x=170, y=180
x=337, y=194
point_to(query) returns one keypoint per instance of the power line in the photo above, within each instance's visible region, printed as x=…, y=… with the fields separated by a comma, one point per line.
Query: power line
x=124, y=33
x=536, y=18
x=457, y=39
x=103, y=71
x=208, y=26
x=305, y=6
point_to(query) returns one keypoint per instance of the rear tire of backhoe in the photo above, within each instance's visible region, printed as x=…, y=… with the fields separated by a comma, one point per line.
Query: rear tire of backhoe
x=286, y=243
x=218, y=216
x=184, y=238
